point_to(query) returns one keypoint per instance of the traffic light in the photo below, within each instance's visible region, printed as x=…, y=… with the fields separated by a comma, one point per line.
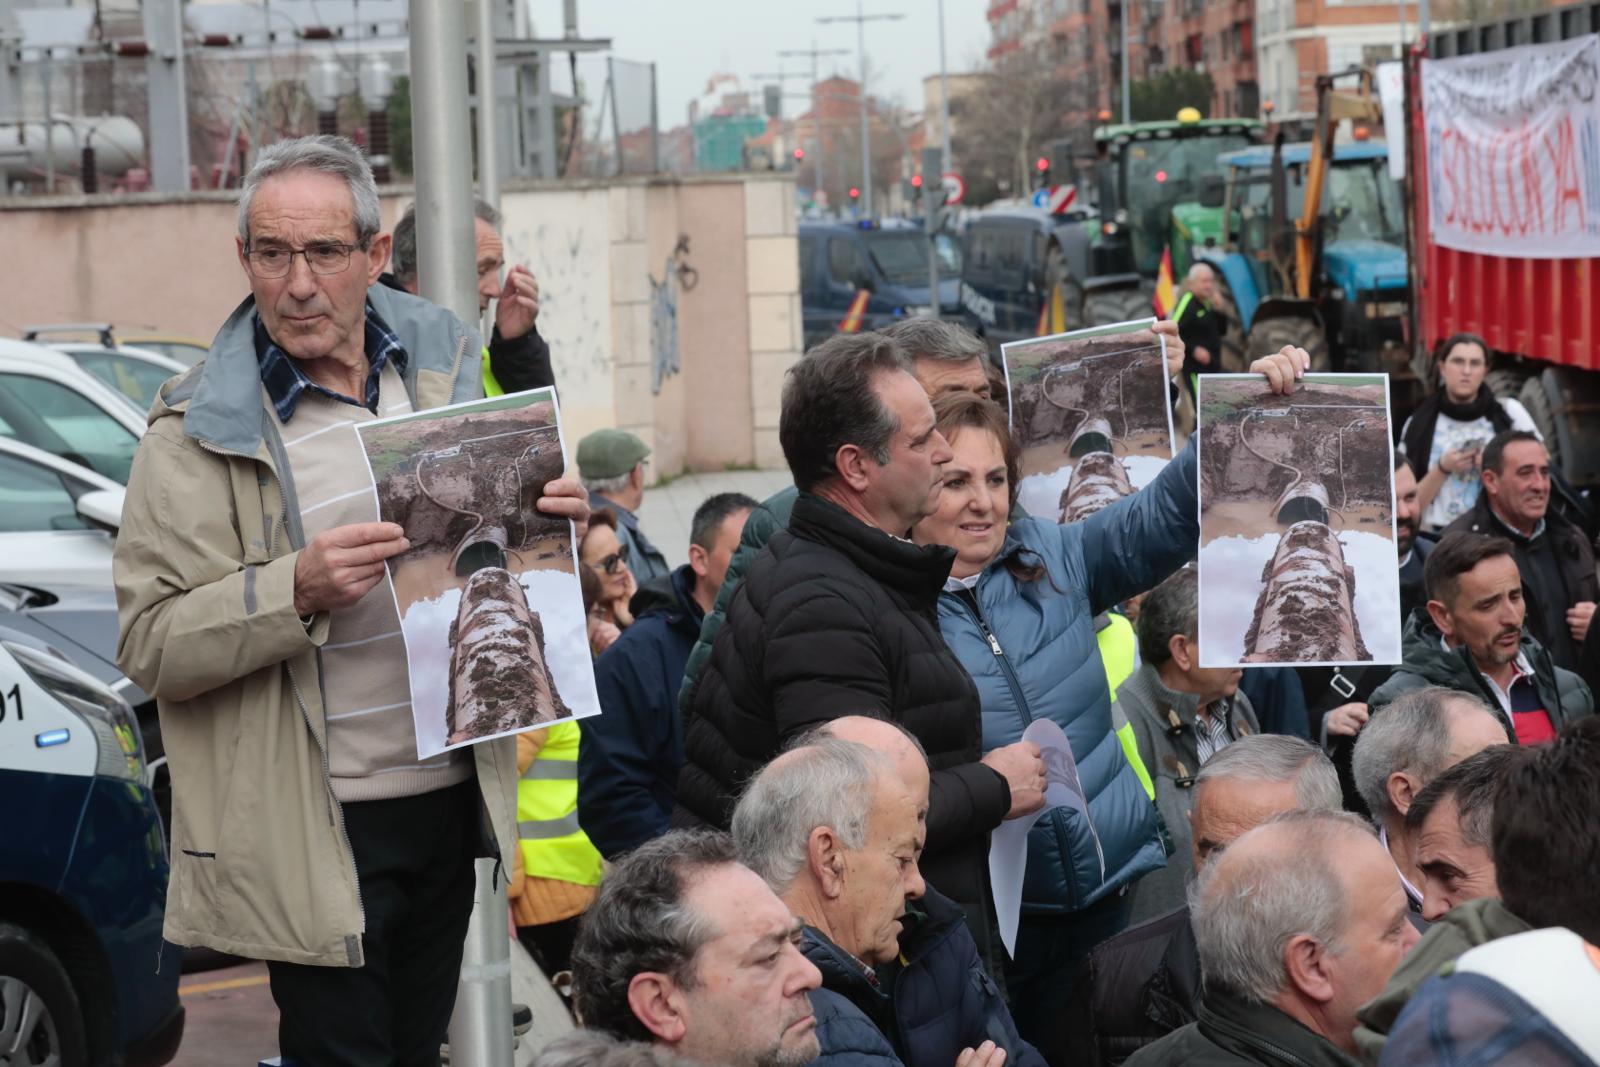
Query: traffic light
x=916, y=181
x=855, y=194
x=1042, y=166
x=799, y=155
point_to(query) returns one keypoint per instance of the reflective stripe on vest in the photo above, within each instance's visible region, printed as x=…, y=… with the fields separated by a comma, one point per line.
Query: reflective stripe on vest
x=552, y=841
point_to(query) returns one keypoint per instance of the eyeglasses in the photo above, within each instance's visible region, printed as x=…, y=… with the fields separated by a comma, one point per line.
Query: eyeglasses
x=609, y=564
x=325, y=257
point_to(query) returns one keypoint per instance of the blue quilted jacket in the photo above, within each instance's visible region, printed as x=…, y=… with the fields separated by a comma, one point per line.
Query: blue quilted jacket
x=1030, y=648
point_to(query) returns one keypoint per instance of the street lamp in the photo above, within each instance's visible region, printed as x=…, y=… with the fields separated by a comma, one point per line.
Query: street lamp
x=861, y=21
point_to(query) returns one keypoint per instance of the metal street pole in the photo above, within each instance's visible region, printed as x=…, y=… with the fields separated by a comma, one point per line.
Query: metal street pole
x=816, y=120
x=488, y=142
x=1126, y=14
x=944, y=99
x=861, y=21
x=480, y=1027
x=442, y=156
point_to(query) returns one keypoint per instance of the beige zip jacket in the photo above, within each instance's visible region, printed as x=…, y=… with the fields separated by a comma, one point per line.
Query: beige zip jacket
x=204, y=573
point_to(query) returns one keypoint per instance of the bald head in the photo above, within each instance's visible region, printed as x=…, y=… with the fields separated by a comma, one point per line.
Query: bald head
x=889, y=739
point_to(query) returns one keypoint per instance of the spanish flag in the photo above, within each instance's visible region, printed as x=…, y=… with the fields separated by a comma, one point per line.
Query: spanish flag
x=1166, y=293
x=858, y=311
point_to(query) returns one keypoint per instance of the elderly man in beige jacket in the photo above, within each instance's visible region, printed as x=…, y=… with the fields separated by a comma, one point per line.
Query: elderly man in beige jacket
x=255, y=604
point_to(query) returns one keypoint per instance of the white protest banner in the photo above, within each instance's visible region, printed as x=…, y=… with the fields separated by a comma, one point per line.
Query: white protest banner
x=1514, y=150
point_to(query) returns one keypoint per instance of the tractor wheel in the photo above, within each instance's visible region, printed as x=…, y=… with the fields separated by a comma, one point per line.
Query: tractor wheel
x=1060, y=285
x=1506, y=383
x=1233, y=351
x=1537, y=401
x=1270, y=336
x=1116, y=305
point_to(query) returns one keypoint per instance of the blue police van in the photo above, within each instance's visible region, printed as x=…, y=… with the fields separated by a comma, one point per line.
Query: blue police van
x=83, y=873
x=889, y=260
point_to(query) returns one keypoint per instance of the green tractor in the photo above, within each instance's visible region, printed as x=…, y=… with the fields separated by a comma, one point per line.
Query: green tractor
x=1149, y=181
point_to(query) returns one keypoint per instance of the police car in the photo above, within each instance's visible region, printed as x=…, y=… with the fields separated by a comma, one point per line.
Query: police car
x=83, y=873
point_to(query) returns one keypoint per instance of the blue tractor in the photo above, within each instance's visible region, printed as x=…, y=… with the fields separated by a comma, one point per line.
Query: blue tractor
x=1345, y=301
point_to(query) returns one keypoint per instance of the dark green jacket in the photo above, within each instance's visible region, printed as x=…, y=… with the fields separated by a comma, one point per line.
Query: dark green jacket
x=1428, y=662
x=1468, y=925
x=1230, y=1032
x=764, y=521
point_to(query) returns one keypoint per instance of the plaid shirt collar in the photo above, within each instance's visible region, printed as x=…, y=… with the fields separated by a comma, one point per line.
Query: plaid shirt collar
x=285, y=381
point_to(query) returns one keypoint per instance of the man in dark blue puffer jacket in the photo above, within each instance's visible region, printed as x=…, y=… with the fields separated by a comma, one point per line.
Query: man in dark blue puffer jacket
x=835, y=827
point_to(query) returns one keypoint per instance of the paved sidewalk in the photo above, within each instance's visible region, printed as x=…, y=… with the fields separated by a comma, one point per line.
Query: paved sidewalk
x=667, y=509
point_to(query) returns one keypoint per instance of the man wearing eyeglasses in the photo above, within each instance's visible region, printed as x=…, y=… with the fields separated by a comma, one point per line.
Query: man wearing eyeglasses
x=254, y=602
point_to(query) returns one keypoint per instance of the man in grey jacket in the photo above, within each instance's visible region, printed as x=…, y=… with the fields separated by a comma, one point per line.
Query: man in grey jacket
x=1181, y=714
x=254, y=603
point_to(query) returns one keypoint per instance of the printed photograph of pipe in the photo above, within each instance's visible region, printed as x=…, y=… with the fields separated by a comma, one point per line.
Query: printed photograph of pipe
x=1097, y=397
x=490, y=605
x=1297, y=561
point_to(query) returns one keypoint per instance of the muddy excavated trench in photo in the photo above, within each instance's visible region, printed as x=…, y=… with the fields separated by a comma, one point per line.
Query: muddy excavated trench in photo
x=466, y=490
x=1307, y=466
x=1105, y=394
x=475, y=476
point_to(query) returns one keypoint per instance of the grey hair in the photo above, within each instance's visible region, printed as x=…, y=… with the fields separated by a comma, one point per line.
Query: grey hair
x=1199, y=265
x=1473, y=784
x=936, y=339
x=326, y=154
x=1246, y=906
x=828, y=783
x=403, y=256
x=596, y=1048
x=1412, y=734
x=1279, y=758
x=606, y=485
x=640, y=923
x=1169, y=609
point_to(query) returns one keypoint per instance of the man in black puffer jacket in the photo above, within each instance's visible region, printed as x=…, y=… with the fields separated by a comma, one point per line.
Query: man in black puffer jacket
x=837, y=617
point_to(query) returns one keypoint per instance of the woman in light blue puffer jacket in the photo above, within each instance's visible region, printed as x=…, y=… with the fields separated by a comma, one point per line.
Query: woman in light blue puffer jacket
x=1019, y=613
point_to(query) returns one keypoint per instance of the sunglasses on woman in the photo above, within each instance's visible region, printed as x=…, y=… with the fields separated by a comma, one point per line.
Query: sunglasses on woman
x=609, y=564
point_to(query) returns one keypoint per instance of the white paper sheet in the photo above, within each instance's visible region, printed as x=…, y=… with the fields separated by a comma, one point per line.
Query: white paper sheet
x=1008, y=848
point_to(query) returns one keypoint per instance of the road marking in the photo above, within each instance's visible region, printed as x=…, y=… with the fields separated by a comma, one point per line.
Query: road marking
x=217, y=987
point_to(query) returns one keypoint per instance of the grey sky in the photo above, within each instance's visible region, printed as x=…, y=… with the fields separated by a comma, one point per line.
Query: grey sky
x=691, y=40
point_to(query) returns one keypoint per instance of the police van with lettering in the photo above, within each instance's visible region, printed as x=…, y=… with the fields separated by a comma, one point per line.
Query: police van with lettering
x=83, y=872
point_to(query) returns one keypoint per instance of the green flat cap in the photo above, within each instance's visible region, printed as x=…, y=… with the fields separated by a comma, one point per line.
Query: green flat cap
x=609, y=454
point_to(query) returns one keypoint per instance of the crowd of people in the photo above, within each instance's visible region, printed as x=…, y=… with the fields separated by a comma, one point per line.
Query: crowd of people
x=771, y=846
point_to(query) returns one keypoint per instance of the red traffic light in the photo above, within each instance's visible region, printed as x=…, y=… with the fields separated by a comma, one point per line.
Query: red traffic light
x=916, y=181
x=799, y=154
x=855, y=194
x=1043, y=164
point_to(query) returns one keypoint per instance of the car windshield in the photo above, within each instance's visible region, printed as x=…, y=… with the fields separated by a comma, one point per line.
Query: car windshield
x=1161, y=173
x=182, y=351
x=34, y=498
x=135, y=379
x=1176, y=164
x=1362, y=202
x=49, y=415
x=902, y=256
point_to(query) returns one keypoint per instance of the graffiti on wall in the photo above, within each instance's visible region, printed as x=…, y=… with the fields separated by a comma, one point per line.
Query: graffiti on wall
x=676, y=276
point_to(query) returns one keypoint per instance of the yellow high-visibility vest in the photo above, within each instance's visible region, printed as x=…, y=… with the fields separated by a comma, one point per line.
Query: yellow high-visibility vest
x=553, y=844
x=491, y=386
x=1119, y=652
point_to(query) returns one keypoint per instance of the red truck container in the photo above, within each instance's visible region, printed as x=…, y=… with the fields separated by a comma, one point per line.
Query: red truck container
x=1541, y=316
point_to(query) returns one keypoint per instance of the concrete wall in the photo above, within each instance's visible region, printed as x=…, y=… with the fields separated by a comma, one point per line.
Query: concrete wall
x=604, y=255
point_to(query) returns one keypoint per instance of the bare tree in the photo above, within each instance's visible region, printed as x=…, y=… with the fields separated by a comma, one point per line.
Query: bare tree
x=1029, y=98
